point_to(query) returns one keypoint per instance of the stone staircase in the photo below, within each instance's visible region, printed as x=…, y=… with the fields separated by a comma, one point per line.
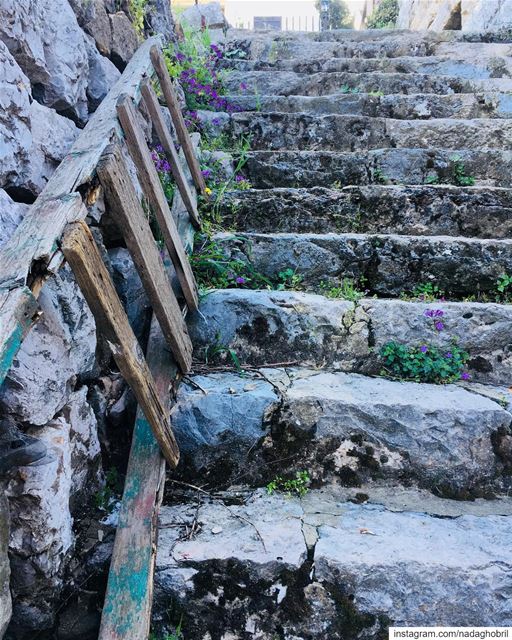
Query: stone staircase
x=384, y=158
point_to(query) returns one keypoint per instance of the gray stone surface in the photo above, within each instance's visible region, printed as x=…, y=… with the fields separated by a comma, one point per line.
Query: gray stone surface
x=11, y=214
x=402, y=167
x=15, y=133
x=124, y=39
x=58, y=348
x=412, y=210
x=159, y=19
x=386, y=264
x=103, y=74
x=370, y=567
x=268, y=327
x=275, y=131
x=5, y=571
x=45, y=39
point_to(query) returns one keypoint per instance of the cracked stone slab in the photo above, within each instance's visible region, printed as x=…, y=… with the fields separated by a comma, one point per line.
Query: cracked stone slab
x=410, y=210
x=309, y=169
x=387, y=264
x=269, y=327
x=303, y=131
x=367, y=564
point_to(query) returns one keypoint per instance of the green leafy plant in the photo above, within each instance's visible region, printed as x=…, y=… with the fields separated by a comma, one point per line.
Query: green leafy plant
x=298, y=486
x=347, y=290
x=425, y=292
x=424, y=362
x=376, y=94
x=460, y=177
x=345, y=88
x=504, y=288
x=103, y=498
x=289, y=280
x=177, y=635
x=384, y=16
x=213, y=351
x=432, y=178
x=380, y=177
x=137, y=9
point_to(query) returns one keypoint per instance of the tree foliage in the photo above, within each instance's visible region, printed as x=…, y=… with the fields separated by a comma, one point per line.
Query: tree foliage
x=339, y=14
x=384, y=16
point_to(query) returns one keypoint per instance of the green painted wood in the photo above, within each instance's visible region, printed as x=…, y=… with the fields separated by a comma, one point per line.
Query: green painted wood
x=127, y=609
x=18, y=309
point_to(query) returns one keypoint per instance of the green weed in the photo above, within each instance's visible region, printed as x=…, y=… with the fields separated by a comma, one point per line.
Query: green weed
x=298, y=486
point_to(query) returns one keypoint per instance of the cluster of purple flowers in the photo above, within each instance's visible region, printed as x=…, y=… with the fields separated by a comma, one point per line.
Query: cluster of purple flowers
x=436, y=315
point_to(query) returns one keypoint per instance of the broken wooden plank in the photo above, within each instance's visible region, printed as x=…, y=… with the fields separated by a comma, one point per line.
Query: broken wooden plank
x=177, y=117
x=32, y=246
x=134, y=226
x=81, y=252
x=164, y=135
x=18, y=310
x=127, y=609
x=154, y=192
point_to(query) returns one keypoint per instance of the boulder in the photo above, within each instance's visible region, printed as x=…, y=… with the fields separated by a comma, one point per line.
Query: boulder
x=209, y=15
x=429, y=14
x=5, y=571
x=124, y=39
x=15, y=132
x=58, y=348
x=45, y=39
x=93, y=18
x=486, y=15
x=11, y=214
x=103, y=74
x=159, y=19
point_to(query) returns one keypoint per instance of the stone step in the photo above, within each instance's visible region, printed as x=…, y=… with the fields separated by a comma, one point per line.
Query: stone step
x=343, y=427
x=357, y=133
x=264, y=328
x=477, y=69
x=386, y=264
x=413, y=210
x=289, y=83
x=269, y=566
x=268, y=169
x=398, y=106
x=360, y=44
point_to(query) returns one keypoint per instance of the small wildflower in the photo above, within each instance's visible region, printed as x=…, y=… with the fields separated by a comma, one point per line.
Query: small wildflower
x=439, y=326
x=434, y=313
x=207, y=173
x=208, y=191
x=465, y=376
x=448, y=355
x=239, y=178
x=424, y=348
x=240, y=280
x=243, y=86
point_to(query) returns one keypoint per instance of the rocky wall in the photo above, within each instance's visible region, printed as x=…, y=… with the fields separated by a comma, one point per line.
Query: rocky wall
x=58, y=60
x=468, y=15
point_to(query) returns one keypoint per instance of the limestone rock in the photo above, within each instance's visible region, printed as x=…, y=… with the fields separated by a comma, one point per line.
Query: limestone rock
x=5, y=571
x=429, y=14
x=486, y=15
x=103, y=74
x=93, y=18
x=11, y=214
x=124, y=39
x=15, y=133
x=210, y=14
x=58, y=348
x=159, y=19
x=45, y=39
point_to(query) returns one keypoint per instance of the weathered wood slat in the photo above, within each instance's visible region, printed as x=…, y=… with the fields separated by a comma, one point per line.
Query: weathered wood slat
x=134, y=226
x=164, y=135
x=32, y=246
x=154, y=192
x=94, y=280
x=18, y=309
x=177, y=117
x=127, y=609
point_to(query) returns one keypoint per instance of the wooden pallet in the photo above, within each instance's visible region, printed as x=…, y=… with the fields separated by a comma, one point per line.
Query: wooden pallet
x=55, y=230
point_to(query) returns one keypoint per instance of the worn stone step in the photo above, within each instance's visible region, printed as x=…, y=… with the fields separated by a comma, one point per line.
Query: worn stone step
x=355, y=133
x=342, y=426
x=289, y=83
x=361, y=44
x=264, y=328
x=268, y=169
x=476, y=69
x=385, y=263
x=324, y=567
x=398, y=106
x=412, y=210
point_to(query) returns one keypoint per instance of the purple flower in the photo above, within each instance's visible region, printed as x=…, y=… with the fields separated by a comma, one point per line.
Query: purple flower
x=434, y=313
x=243, y=86
x=424, y=348
x=465, y=376
x=240, y=280
x=439, y=326
x=448, y=355
x=180, y=57
x=239, y=178
x=206, y=173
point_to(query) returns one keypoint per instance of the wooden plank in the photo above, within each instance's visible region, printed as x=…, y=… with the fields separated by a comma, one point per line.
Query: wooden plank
x=164, y=135
x=18, y=310
x=37, y=236
x=134, y=226
x=31, y=248
x=177, y=117
x=94, y=280
x=127, y=609
x=154, y=192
